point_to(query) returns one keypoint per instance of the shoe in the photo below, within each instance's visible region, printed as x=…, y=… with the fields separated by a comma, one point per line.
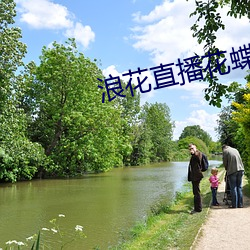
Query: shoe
x=217, y=204
x=231, y=207
x=194, y=212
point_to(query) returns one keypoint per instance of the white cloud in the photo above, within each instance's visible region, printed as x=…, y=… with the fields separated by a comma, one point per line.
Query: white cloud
x=208, y=122
x=165, y=33
x=179, y=126
x=235, y=33
x=44, y=14
x=83, y=34
x=111, y=70
x=159, y=12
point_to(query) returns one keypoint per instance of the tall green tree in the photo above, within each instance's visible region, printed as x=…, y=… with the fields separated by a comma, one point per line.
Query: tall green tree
x=12, y=51
x=77, y=130
x=242, y=116
x=157, y=125
x=19, y=157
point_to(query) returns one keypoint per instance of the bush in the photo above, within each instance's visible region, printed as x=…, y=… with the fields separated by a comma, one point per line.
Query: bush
x=20, y=160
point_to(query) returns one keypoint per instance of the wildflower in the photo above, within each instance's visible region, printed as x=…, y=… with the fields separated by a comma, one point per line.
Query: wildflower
x=78, y=228
x=54, y=230
x=61, y=215
x=10, y=242
x=29, y=238
x=20, y=243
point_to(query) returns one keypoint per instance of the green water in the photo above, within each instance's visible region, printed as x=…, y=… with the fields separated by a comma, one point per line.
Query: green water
x=104, y=204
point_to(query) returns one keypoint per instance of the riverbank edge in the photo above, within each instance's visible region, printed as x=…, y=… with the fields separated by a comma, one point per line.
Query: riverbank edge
x=171, y=226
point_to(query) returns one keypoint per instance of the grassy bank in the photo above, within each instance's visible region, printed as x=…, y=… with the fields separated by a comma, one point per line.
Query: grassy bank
x=170, y=227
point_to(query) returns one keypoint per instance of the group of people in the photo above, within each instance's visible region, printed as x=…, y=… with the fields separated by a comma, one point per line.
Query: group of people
x=234, y=167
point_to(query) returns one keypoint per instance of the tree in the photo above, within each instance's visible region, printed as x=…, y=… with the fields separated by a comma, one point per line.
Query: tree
x=12, y=50
x=19, y=157
x=78, y=131
x=141, y=144
x=229, y=130
x=227, y=127
x=204, y=29
x=196, y=131
x=242, y=116
x=157, y=125
x=215, y=148
x=130, y=109
x=183, y=144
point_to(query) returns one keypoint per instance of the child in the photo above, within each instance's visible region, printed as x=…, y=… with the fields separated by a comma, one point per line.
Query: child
x=214, y=185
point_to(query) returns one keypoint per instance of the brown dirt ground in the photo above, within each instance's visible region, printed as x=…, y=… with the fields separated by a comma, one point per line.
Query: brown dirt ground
x=225, y=228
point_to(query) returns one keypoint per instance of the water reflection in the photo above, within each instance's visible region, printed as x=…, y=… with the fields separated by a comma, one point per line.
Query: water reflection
x=105, y=204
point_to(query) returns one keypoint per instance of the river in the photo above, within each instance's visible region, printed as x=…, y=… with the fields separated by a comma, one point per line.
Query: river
x=105, y=204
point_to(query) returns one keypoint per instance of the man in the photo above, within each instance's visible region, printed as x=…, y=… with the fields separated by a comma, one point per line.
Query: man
x=235, y=169
x=195, y=175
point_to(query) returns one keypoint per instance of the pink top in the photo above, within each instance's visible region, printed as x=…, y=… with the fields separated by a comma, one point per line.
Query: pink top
x=214, y=181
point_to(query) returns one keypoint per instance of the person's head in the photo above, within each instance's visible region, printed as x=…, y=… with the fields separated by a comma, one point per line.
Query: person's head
x=214, y=171
x=192, y=148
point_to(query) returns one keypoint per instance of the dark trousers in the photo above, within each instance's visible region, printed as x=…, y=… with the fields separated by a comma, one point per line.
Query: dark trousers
x=214, y=196
x=197, y=196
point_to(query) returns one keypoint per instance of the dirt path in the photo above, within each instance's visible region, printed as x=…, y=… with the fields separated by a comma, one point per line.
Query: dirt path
x=225, y=228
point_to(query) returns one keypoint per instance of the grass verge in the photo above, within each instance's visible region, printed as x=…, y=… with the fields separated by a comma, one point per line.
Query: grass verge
x=246, y=187
x=170, y=226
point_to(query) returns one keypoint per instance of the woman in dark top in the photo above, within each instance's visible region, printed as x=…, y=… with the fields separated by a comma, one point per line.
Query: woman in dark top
x=195, y=175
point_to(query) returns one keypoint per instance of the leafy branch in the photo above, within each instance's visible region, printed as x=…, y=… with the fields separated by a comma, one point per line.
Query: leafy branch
x=205, y=28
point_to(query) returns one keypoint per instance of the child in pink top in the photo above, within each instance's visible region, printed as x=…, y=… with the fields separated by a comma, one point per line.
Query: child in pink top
x=214, y=186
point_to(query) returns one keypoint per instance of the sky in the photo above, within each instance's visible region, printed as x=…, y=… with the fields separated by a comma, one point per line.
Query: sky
x=130, y=34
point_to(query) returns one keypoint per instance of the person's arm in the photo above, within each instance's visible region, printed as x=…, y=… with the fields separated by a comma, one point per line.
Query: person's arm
x=213, y=179
x=224, y=159
x=210, y=179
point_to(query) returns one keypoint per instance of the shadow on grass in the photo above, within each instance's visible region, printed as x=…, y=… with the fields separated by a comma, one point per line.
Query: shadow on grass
x=183, y=204
x=246, y=190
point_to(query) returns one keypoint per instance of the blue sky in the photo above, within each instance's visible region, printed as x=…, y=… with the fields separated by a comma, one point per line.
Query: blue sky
x=128, y=34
